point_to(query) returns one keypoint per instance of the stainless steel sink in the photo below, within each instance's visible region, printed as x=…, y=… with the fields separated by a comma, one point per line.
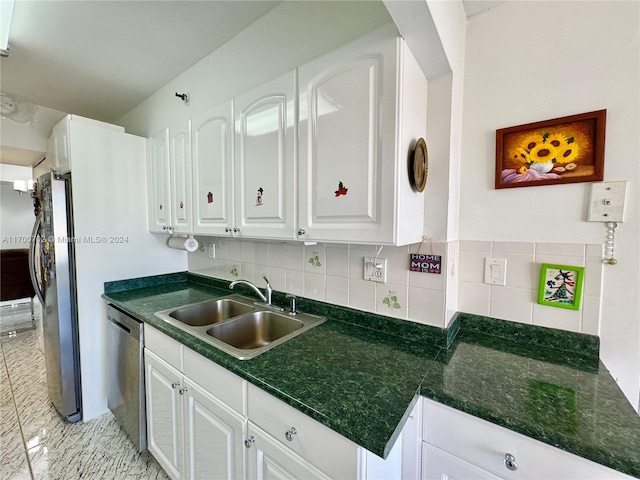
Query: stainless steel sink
x=210, y=312
x=254, y=330
x=239, y=325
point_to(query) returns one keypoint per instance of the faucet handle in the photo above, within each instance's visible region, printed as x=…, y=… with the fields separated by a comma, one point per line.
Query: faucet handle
x=294, y=303
x=265, y=278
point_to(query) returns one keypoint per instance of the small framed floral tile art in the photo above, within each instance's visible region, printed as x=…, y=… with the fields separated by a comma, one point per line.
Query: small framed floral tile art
x=562, y=150
x=560, y=286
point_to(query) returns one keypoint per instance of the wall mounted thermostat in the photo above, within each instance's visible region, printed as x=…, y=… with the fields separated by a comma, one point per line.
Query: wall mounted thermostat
x=607, y=202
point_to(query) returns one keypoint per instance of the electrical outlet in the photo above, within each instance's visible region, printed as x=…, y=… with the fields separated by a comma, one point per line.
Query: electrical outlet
x=377, y=272
x=212, y=250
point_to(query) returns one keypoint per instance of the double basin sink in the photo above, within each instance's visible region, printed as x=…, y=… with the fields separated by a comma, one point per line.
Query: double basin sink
x=238, y=325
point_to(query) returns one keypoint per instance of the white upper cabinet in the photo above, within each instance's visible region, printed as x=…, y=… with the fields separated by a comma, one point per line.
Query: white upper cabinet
x=158, y=182
x=362, y=108
x=265, y=161
x=212, y=155
x=180, y=177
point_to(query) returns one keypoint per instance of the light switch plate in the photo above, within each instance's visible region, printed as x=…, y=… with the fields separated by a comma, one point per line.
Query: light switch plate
x=212, y=250
x=495, y=271
x=607, y=201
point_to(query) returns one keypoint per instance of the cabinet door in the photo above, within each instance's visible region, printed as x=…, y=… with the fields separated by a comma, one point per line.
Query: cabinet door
x=269, y=460
x=347, y=138
x=440, y=465
x=212, y=154
x=265, y=166
x=158, y=182
x=164, y=415
x=213, y=436
x=180, y=174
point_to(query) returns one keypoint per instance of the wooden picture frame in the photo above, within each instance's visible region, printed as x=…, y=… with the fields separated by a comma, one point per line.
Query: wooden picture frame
x=562, y=150
x=560, y=286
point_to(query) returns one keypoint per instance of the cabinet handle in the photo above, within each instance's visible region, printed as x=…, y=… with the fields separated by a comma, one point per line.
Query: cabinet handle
x=289, y=434
x=175, y=385
x=249, y=441
x=301, y=231
x=510, y=462
x=182, y=390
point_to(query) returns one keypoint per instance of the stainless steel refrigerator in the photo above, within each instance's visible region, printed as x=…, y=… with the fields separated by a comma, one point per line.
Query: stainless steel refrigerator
x=52, y=268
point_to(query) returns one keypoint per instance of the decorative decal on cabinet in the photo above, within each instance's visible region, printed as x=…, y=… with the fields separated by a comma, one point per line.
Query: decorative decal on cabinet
x=342, y=190
x=181, y=205
x=259, y=197
x=209, y=197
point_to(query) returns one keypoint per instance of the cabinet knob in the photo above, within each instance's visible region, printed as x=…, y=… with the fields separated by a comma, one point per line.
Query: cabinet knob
x=301, y=231
x=289, y=434
x=236, y=230
x=175, y=385
x=182, y=390
x=227, y=229
x=510, y=462
x=249, y=441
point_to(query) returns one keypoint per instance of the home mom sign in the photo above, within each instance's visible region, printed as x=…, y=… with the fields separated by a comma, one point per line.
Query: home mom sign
x=426, y=263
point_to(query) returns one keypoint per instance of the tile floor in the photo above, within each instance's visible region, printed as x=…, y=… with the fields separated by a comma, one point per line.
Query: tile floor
x=35, y=443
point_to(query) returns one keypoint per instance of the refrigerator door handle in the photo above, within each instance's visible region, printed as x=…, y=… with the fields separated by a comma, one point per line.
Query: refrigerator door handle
x=37, y=226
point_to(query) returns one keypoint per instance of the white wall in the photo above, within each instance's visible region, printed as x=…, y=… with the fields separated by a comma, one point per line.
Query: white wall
x=531, y=61
x=16, y=217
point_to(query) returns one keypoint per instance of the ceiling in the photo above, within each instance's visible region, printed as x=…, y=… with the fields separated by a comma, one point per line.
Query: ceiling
x=100, y=59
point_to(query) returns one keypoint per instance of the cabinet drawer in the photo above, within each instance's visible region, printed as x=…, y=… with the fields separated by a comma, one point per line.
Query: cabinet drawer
x=163, y=346
x=226, y=386
x=485, y=445
x=321, y=446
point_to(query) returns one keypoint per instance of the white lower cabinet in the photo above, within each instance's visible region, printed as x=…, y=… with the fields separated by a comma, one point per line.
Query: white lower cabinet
x=458, y=446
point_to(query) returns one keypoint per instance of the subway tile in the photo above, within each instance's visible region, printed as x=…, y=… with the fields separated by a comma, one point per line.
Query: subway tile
x=515, y=304
x=295, y=282
x=474, y=298
x=337, y=290
x=561, y=249
x=261, y=253
x=278, y=279
x=559, y=260
x=554, y=317
x=471, y=267
x=276, y=255
x=475, y=246
x=593, y=276
x=247, y=271
x=362, y=294
x=234, y=250
x=432, y=281
x=427, y=306
x=222, y=249
x=522, y=271
x=247, y=252
x=391, y=300
x=397, y=267
x=514, y=247
x=294, y=257
x=314, y=286
x=337, y=261
x=591, y=315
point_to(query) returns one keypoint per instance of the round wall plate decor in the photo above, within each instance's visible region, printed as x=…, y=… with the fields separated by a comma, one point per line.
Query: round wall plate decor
x=420, y=166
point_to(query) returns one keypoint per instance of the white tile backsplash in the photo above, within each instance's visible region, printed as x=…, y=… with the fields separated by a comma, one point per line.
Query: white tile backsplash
x=335, y=276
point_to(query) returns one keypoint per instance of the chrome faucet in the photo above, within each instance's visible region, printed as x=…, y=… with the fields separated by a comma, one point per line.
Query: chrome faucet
x=268, y=291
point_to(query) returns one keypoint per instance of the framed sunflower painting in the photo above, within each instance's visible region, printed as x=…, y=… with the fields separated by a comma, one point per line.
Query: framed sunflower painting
x=562, y=150
x=560, y=286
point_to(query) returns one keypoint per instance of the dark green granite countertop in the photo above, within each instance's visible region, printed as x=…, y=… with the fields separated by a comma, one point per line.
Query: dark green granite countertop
x=360, y=374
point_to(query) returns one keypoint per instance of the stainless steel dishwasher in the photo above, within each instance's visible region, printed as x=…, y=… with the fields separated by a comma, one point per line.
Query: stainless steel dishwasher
x=126, y=397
